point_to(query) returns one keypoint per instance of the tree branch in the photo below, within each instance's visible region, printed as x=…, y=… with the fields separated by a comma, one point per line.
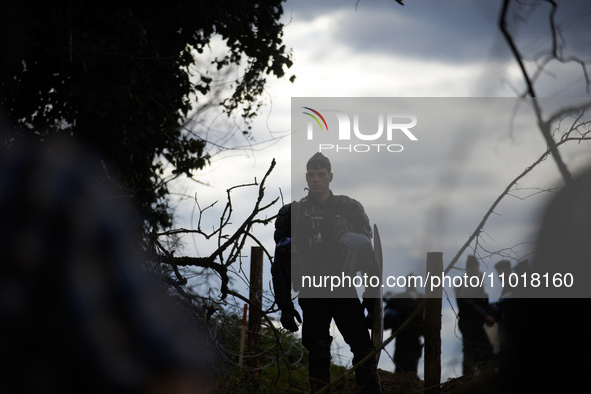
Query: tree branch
x=229, y=246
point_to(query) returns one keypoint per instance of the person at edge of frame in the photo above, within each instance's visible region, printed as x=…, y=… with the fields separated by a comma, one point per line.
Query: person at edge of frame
x=329, y=235
x=473, y=314
x=408, y=347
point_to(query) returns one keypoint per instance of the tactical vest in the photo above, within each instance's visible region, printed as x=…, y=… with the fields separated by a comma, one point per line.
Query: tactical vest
x=316, y=229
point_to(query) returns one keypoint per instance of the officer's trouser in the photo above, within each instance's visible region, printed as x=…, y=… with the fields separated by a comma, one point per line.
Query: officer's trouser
x=349, y=318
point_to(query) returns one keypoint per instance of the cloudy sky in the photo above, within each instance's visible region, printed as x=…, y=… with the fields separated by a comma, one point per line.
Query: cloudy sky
x=431, y=196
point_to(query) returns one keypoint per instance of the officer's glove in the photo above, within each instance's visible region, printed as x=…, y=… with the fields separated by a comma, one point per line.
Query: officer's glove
x=288, y=318
x=369, y=304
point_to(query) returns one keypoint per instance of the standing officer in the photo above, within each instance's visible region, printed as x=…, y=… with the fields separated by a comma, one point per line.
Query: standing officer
x=408, y=348
x=319, y=236
x=473, y=313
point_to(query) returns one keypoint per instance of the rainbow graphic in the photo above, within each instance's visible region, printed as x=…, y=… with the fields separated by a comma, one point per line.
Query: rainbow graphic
x=315, y=118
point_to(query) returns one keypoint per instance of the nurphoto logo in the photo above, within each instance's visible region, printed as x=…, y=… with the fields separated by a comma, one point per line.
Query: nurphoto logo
x=389, y=127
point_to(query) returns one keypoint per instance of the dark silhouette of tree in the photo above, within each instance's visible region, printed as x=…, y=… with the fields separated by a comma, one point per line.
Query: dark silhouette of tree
x=118, y=77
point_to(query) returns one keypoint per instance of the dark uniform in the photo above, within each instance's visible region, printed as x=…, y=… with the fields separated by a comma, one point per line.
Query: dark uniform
x=473, y=309
x=408, y=347
x=317, y=249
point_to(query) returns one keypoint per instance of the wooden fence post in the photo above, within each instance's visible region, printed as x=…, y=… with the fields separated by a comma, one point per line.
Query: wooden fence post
x=432, y=325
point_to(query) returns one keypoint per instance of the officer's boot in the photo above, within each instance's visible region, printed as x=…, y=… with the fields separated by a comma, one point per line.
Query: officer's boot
x=366, y=375
x=319, y=368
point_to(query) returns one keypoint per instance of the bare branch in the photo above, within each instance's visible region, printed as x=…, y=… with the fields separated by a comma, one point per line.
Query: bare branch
x=513, y=47
x=490, y=211
x=544, y=126
x=229, y=245
x=512, y=185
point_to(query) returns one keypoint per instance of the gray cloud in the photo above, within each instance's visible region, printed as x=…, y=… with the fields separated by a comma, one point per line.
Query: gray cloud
x=456, y=32
x=436, y=31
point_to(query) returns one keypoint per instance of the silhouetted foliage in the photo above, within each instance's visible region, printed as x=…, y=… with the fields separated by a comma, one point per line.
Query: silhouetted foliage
x=117, y=76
